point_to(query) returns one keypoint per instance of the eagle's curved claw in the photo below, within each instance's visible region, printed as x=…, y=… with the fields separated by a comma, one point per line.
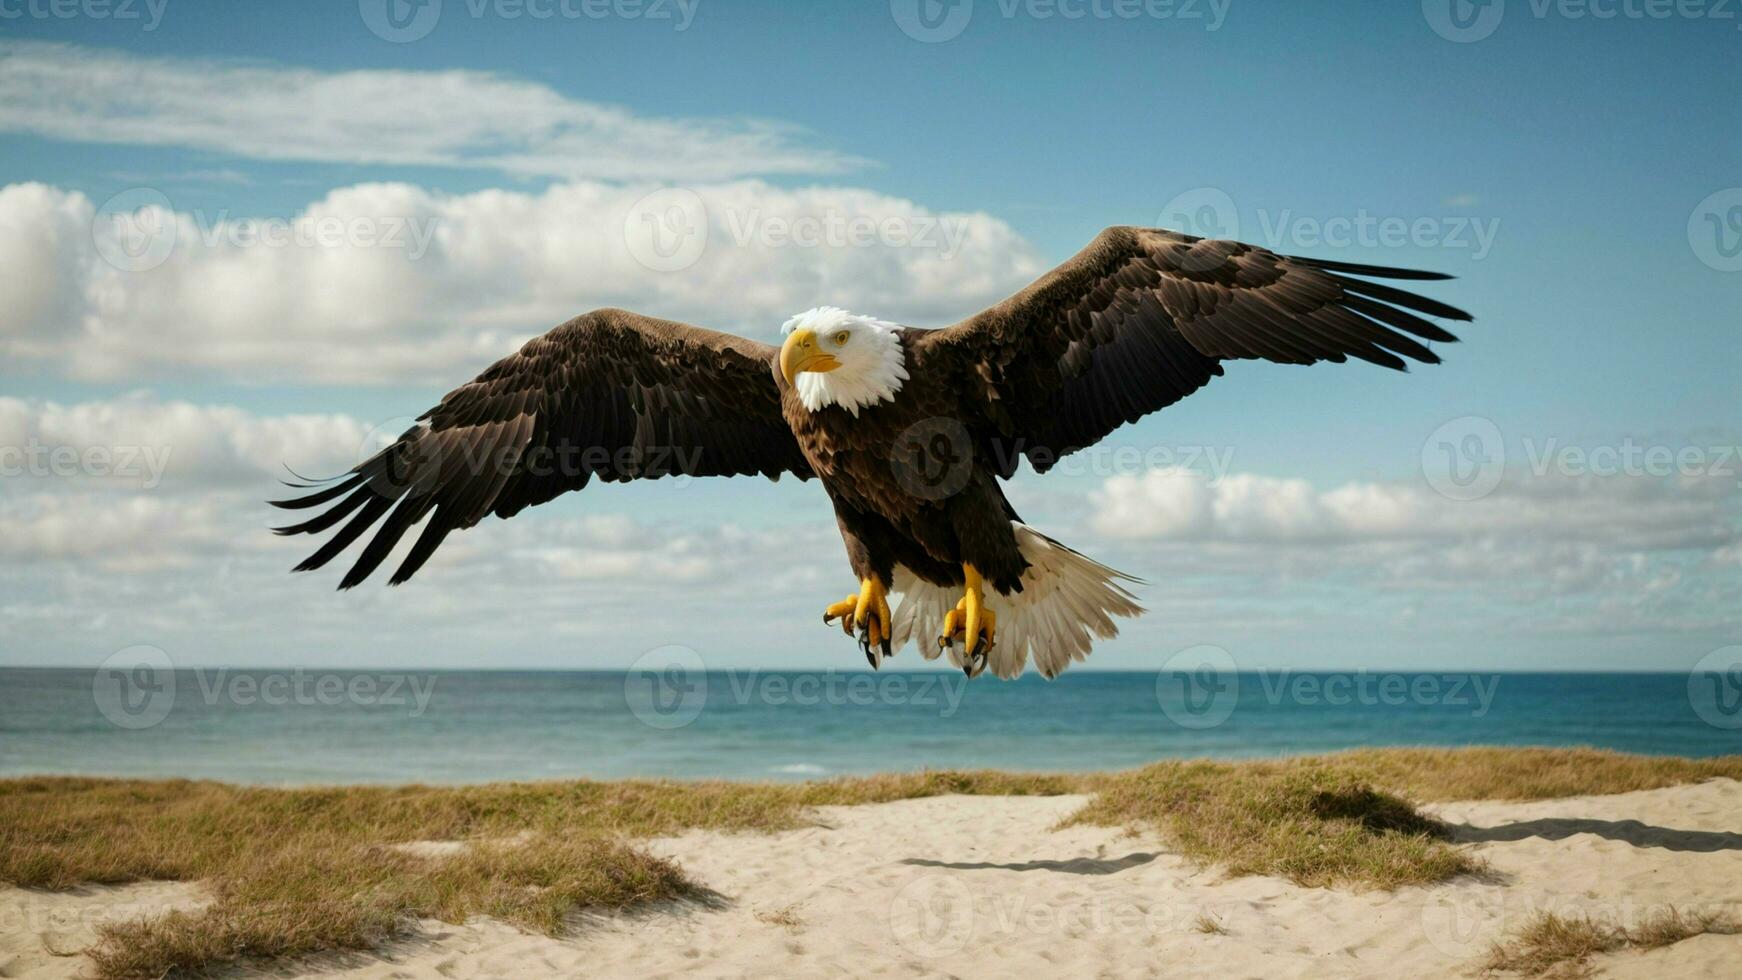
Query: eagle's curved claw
x=843, y=611
x=972, y=623
x=974, y=664
x=875, y=652
x=869, y=616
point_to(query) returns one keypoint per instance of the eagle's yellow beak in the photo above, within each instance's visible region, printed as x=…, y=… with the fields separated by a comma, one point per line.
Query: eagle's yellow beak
x=800, y=353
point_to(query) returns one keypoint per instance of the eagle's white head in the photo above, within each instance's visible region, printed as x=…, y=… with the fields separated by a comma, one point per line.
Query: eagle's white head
x=832, y=357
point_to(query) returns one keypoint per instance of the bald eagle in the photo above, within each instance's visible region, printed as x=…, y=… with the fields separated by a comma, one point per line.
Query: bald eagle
x=910, y=432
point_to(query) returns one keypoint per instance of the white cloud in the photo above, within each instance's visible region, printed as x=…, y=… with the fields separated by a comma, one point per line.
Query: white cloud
x=619, y=549
x=45, y=254
x=105, y=533
x=1622, y=512
x=84, y=574
x=415, y=285
x=139, y=442
x=189, y=563
x=102, y=563
x=441, y=118
x=1541, y=553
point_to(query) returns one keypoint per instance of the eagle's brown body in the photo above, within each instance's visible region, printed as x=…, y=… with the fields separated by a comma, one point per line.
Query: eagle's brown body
x=1136, y=321
x=909, y=480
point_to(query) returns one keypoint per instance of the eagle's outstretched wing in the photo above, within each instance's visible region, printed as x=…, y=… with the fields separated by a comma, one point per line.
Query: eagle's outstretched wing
x=609, y=394
x=1143, y=317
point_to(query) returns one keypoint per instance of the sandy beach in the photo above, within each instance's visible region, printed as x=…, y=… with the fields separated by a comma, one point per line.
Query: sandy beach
x=987, y=886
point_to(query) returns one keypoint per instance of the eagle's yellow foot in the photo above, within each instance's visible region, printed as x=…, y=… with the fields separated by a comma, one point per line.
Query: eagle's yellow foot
x=972, y=623
x=868, y=613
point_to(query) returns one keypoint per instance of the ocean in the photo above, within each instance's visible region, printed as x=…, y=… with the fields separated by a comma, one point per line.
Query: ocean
x=309, y=726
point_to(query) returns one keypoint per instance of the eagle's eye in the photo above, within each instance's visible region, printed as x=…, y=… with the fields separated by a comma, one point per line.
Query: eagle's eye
x=841, y=338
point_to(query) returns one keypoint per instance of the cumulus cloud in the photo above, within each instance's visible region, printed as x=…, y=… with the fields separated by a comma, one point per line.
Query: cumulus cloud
x=45, y=253
x=620, y=549
x=140, y=531
x=139, y=442
x=1624, y=512
x=83, y=574
x=431, y=118
x=1542, y=552
x=131, y=534
x=391, y=282
x=189, y=563
x=186, y=560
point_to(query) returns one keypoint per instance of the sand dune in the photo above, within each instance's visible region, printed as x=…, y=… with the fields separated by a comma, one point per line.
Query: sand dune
x=983, y=886
x=42, y=932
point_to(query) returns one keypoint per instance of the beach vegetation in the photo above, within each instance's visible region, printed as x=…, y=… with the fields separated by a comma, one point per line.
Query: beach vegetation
x=297, y=871
x=1552, y=945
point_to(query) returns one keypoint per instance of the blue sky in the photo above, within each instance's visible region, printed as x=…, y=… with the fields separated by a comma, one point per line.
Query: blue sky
x=1583, y=147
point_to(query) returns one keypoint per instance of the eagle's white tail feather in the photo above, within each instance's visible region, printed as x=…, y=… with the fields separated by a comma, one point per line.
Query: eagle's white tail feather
x=1067, y=601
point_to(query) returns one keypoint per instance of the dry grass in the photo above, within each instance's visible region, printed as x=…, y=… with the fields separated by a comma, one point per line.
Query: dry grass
x=787, y=918
x=1209, y=925
x=303, y=871
x=906, y=786
x=1312, y=822
x=1562, y=946
x=298, y=871
x=1671, y=926
x=59, y=832
x=1550, y=942
x=301, y=901
x=1527, y=774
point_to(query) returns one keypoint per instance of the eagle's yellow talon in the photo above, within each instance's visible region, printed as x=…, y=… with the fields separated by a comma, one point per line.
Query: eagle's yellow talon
x=871, y=593
x=974, y=607
x=868, y=611
x=952, y=625
x=970, y=619
x=842, y=610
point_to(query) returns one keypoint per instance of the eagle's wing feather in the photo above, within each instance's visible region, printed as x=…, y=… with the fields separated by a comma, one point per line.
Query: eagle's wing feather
x=609, y=394
x=1143, y=317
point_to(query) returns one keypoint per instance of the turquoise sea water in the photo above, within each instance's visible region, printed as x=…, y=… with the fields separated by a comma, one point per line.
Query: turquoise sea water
x=357, y=727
